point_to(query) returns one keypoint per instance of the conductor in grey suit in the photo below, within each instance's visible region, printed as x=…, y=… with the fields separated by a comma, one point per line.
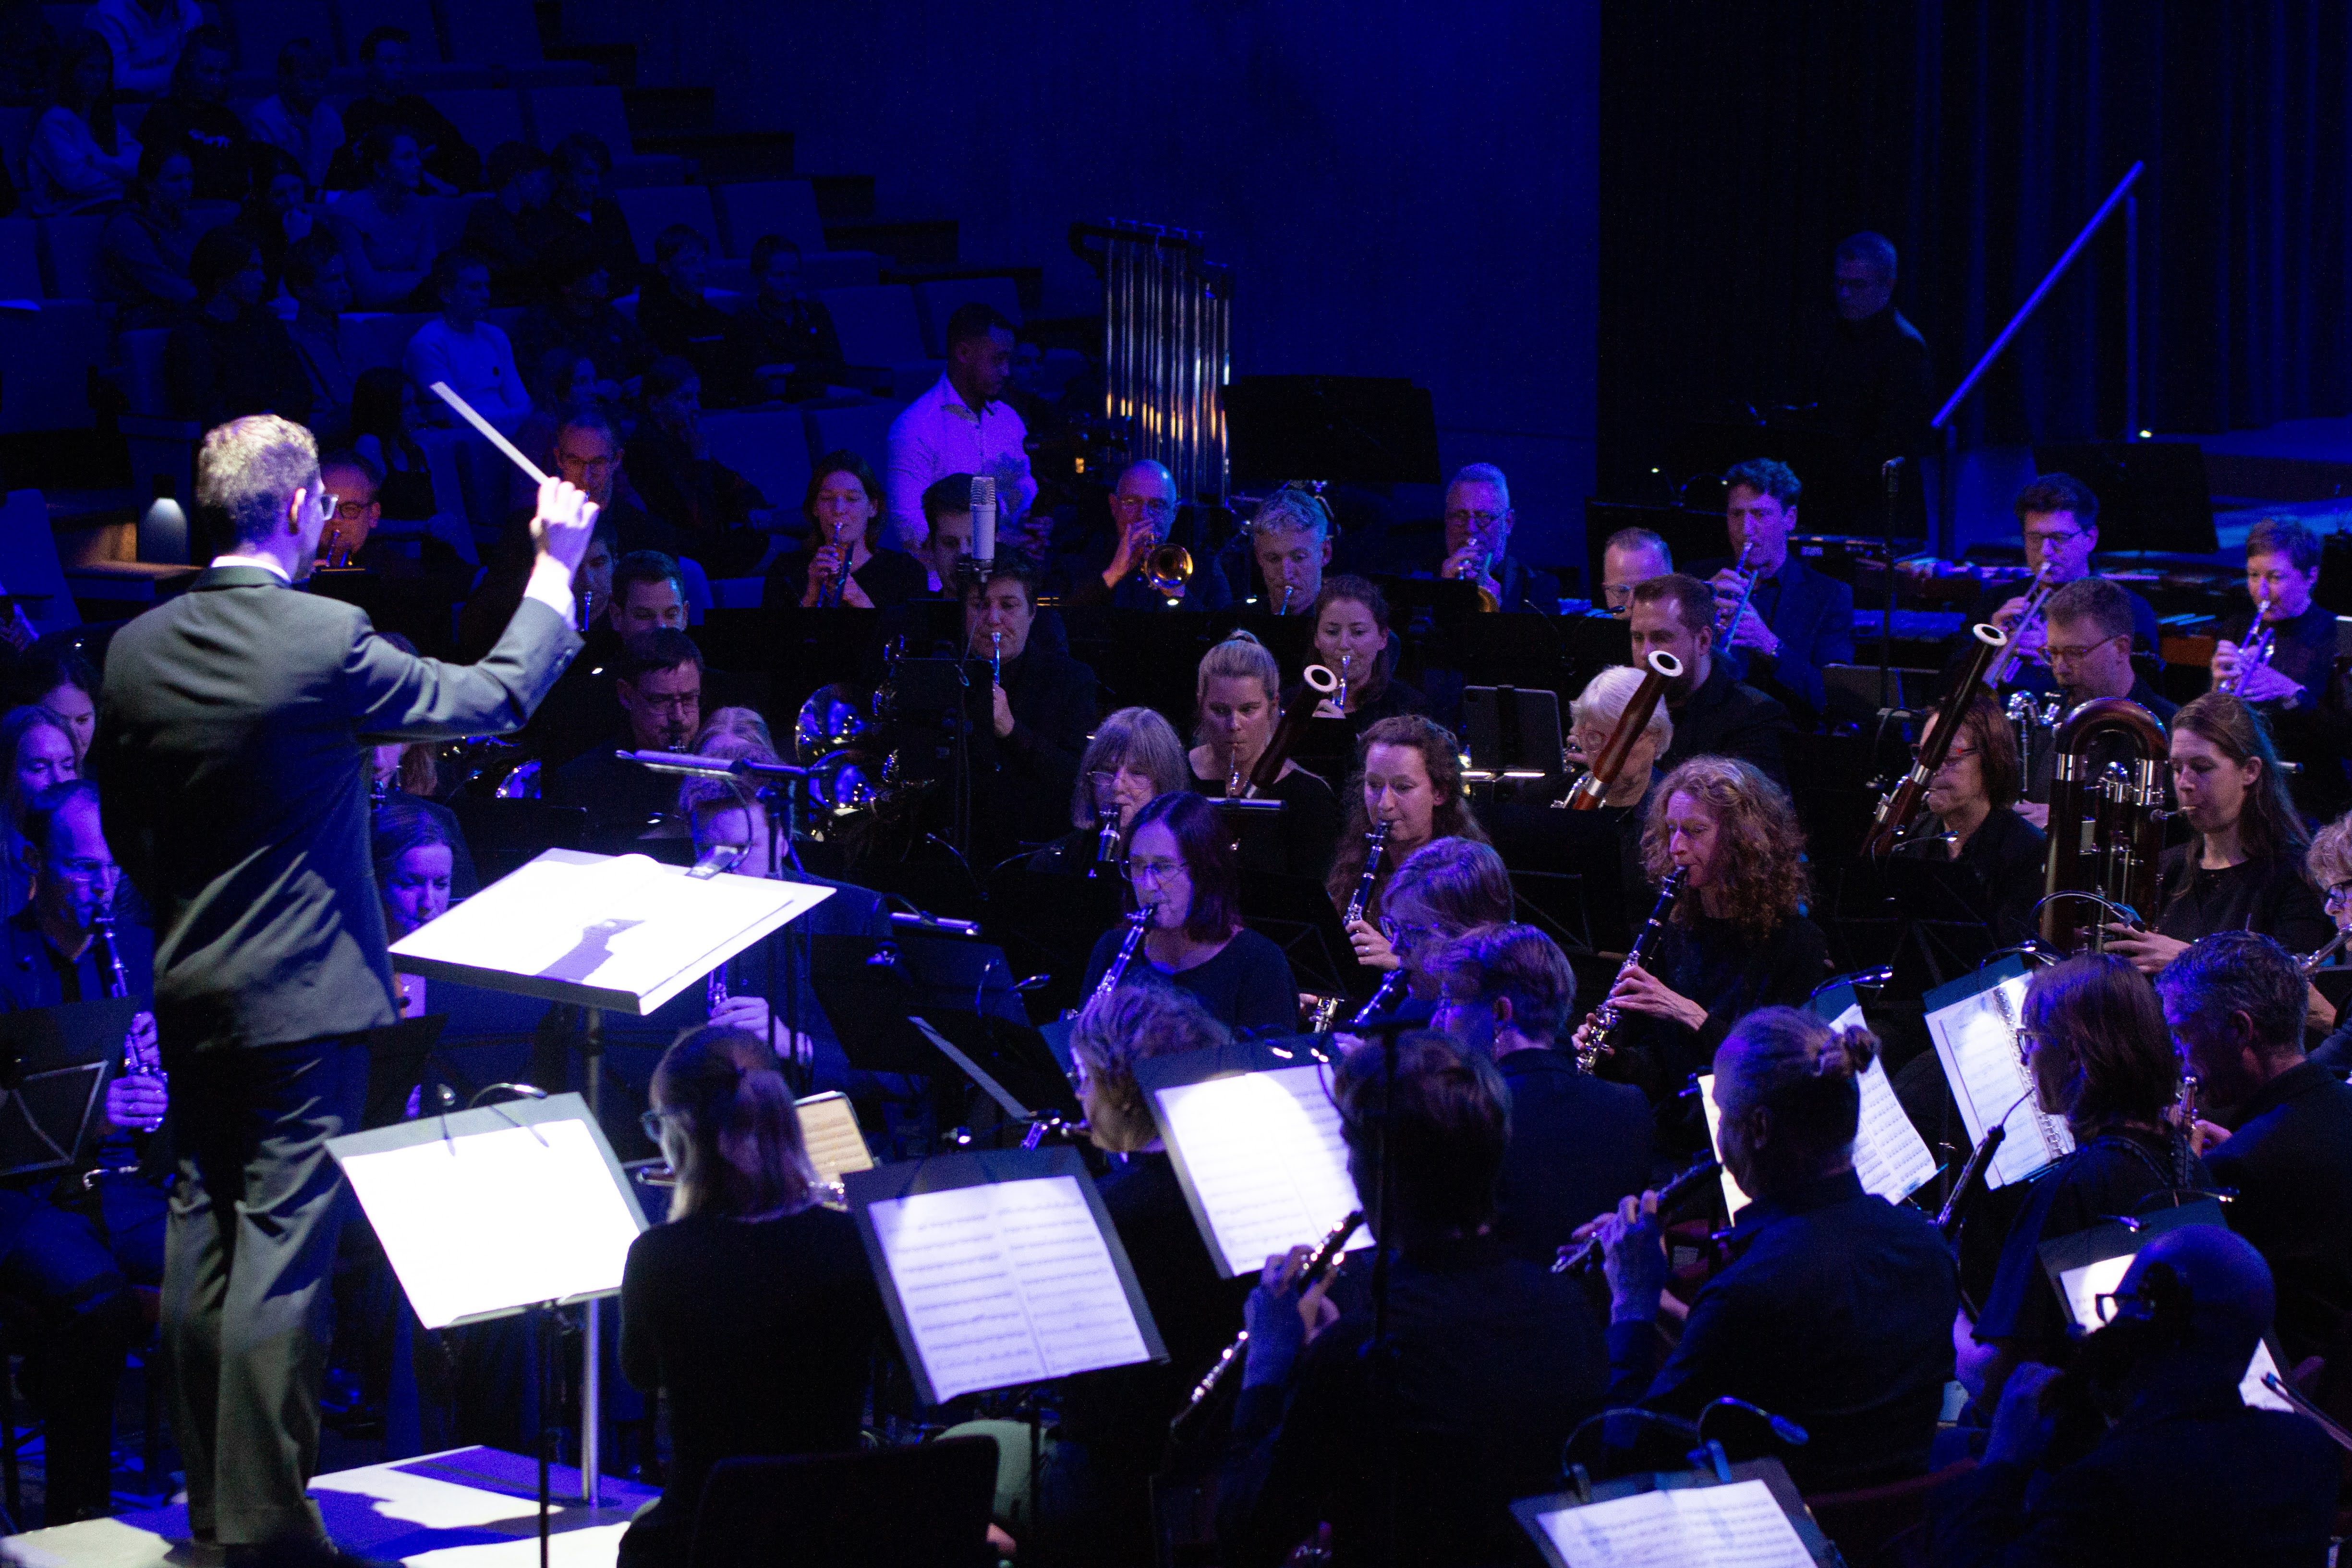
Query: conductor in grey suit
x=233, y=740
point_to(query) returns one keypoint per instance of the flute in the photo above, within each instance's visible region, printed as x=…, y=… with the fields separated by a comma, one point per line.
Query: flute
x=1585, y=1258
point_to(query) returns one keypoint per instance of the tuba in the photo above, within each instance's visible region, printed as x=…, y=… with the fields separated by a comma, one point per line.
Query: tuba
x=2106, y=831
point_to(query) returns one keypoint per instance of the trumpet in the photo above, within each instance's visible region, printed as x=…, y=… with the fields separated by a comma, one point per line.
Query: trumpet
x=2037, y=598
x=1748, y=577
x=1603, y=1022
x=829, y=591
x=1325, y=1257
x=1168, y=570
x=118, y=979
x=587, y=602
x=1137, y=923
x=1594, y=787
x=1587, y=1257
x=1376, y=843
x=2261, y=637
x=1108, y=842
x=1339, y=701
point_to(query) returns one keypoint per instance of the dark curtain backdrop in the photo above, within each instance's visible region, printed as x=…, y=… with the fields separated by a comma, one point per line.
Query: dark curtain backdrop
x=1740, y=142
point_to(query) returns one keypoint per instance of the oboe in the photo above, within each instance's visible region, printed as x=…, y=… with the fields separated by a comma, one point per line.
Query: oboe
x=1971, y=1177
x=1376, y=843
x=1326, y=1254
x=1585, y=1258
x=1604, y=1017
x=996, y=658
x=1137, y=924
x=2262, y=636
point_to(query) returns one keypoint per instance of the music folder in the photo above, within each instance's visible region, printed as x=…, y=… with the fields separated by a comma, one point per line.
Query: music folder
x=1754, y=1519
x=1973, y=1023
x=1255, y=1137
x=1000, y=1268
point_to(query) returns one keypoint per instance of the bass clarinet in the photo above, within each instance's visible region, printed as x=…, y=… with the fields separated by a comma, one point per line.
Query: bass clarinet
x=1603, y=1021
x=1327, y=1255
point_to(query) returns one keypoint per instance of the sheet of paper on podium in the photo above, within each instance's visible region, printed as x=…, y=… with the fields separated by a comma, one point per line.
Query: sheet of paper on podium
x=623, y=933
x=1973, y=1023
x=1736, y=1526
x=1256, y=1145
x=489, y=1212
x=999, y=1269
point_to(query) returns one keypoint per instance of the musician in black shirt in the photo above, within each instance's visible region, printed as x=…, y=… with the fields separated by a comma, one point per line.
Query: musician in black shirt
x=1238, y=701
x=1714, y=715
x=2294, y=683
x=1038, y=712
x=1970, y=797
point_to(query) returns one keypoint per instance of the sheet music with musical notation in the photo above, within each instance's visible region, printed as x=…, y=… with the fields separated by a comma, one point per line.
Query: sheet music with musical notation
x=829, y=1131
x=1263, y=1156
x=1736, y=1526
x=1976, y=1041
x=1005, y=1283
x=1889, y=1156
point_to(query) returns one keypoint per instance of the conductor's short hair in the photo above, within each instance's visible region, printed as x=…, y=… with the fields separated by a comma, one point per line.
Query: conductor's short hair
x=1869, y=247
x=663, y=648
x=248, y=469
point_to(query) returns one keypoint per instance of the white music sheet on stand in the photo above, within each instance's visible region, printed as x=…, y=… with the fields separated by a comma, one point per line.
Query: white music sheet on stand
x=1976, y=1041
x=829, y=1132
x=1889, y=1156
x=2081, y=1286
x=1005, y=1283
x=1266, y=1159
x=490, y=1222
x=1736, y=1526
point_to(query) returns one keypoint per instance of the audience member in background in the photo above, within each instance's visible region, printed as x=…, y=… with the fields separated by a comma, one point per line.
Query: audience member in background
x=579, y=209
x=718, y=513
x=844, y=566
x=504, y=229
x=1631, y=558
x=2296, y=686
x=1237, y=707
x=450, y=165
x=1491, y=1361
x=385, y=417
x=1042, y=708
x=1837, y=1312
x=416, y=870
x=1714, y=714
x=658, y=688
x=321, y=284
x=1408, y=774
x=141, y=267
x=578, y=314
x=1289, y=541
x=146, y=39
x=1798, y=620
x=588, y=454
x=1095, y=1497
x=1115, y=567
x=385, y=227
x=785, y=337
x=38, y=749
x=460, y=348
x=1578, y=1145
x=1352, y=640
x=1444, y=890
x=1970, y=797
x=197, y=119
x=1132, y=758
x=752, y=1310
x=54, y=677
x=2184, y=1470
x=297, y=118
x=79, y=160
x=1478, y=518
x=2235, y=1004
x=234, y=358
x=2100, y=1058
x=677, y=318
x=277, y=214
x=947, y=538
x=963, y=426
x=28, y=55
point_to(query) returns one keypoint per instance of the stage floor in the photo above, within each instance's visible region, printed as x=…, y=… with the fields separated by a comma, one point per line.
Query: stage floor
x=468, y=1507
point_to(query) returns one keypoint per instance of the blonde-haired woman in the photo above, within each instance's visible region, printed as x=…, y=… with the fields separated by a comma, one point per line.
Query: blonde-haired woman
x=1238, y=703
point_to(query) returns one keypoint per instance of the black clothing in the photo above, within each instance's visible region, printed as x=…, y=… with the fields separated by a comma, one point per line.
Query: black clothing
x=1495, y=1361
x=1577, y=1146
x=35, y=975
x=759, y=1336
x=2313, y=730
x=606, y=229
x=798, y=333
x=1724, y=719
x=2290, y=1159
x=1813, y=615
x=1731, y=973
x=1329, y=745
x=218, y=146
x=1077, y=574
x=604, y=337
x=2179, y=1479
x=447, y=154
x=1525, y=589
x=1023, y=781
x=1870, y=380
x=1072, y=855
x=2269, y=894
x=1246, y=988
x=2003, y=863
x=1838, y=1315
x=709, y=503
x=2119, y=1173
x=690, y=327
x=1310, y=822
x=216, y=371
x=511, y=244
x=623, y=800
x=888, y=578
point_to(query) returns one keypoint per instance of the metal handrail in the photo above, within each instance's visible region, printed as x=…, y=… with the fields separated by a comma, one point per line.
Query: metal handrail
x=2106, y=209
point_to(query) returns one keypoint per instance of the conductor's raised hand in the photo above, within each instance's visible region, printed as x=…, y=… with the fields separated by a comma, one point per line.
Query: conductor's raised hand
x=564, y=522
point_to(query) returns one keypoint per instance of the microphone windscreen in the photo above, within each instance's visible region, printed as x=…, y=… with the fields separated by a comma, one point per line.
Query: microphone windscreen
x=983, y=491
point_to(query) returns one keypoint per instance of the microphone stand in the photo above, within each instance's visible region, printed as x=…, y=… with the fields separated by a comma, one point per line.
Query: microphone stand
x=1891, y=471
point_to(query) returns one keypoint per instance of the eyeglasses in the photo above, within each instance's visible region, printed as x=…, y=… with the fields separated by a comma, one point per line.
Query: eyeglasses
x=2340, y=892
x=651, y=1122
x=2076, y=653
x=2105, y=1304
x=2055, y=537
x=682, y=702
x=1474, y=519
x=1952, y=758
x=1617, y=594
x=1154, y=507
x=84, y=872
x=1161, y=872
x=1404, y=934
x=349, y=510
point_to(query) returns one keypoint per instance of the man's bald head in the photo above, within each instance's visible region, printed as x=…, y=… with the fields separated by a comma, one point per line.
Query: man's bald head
x=1145, y=495
x=2228, y=1284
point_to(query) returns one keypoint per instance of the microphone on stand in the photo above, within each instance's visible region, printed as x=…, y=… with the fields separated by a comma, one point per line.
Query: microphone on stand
x=983, y=521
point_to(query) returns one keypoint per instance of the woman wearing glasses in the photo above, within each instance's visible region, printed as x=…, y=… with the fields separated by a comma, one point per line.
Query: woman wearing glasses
x=1969, y=803
x=1181, y=866
x=2241, y=868
x=1133, y=757
x=1238, y=695
x=2095, y=1042
x=2329, y=861
x=1445, y=890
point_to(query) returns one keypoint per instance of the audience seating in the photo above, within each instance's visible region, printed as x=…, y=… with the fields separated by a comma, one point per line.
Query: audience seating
x=360, y=17
x=878, y=330
x=863, y=428
x=29, y=564
x=485, y=118
x=47, y=356
x=20, y=260
x=935, y=301
x=69, y=254
x=506, y=31
x=556, y=113
x=769, y=447
x=750, y=209
x=652, y=208
x=924, y=1507
x=163, y=445
x=370, y=338
x=261, y=28
x=15, y=138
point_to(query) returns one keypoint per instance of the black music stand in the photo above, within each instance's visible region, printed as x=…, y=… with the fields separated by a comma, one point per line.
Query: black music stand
x=1349, y=429
x=1513, y=735
x=2153, y=497
x=55, y=1063
x=1296, y=914
x=1945, y=930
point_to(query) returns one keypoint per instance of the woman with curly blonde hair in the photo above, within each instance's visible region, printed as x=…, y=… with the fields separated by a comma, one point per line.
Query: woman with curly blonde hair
x=1739, y=938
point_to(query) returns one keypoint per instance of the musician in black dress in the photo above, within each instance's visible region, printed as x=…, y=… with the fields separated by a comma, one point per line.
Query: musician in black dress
x=1096, y=1507
x=1969, y=798
x=844, y=507
x=1180, y=866
x=1133, y=757
x=2243, y=868
x=1736, y=941
x=2293, y=684
x=1238, y=697
x=752, y=1309
x=1354, y=642
x=1407, y=775
x=2100, y=1058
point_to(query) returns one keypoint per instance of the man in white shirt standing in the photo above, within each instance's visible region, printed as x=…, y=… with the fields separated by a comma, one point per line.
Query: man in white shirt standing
x=460, y=348
x=960, y=426
x=146, y=36
x=297, y=118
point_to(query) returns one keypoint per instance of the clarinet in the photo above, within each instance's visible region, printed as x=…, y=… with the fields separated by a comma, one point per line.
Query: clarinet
x=118, y=979
x=1971, y=1177
x=1376, y=842
x=1604, y=1017
x=715, y=989
x=1107, y=843
x=996, y=658
x=1586, y=1259
x=1327, y=1255
x=1137, y=924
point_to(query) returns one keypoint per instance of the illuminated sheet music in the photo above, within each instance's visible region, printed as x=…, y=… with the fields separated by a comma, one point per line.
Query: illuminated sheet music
x=2082, y=1286
x=1262, y=1155
x=1976, y=1040
x=829, y=1131
x=1889, y=1156
x=1735, y=1526
x=1005, y=1283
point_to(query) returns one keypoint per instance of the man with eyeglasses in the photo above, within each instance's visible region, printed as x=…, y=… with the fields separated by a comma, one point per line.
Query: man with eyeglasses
x=2058, y=518
x=1478, y=518
x=659, y=687
x=1631, y=558
x=1798, y=620
x=2088, y=642
x=1115, y=569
